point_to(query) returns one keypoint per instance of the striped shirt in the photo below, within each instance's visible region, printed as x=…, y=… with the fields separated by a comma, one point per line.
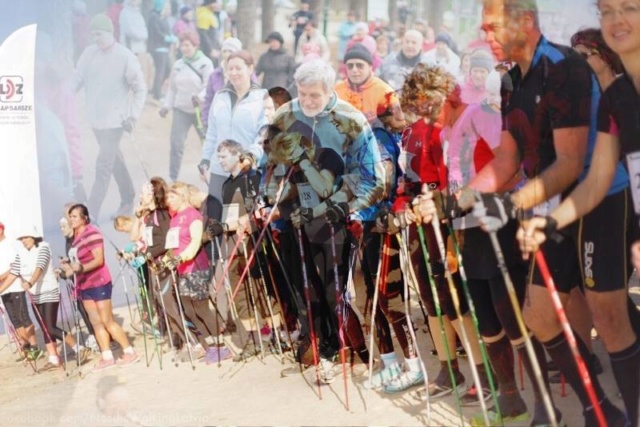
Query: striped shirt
x=24, y=266
x=90, y=239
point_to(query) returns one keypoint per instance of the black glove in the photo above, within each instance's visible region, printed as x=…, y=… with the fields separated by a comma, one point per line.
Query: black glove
x=382, y=220
x=202, y=133
x=551, y=230
x=305, y=215
x=128, y=124
x=447, y=205
x=336, y=212
x=214, y=228
x=203, y=166
x=494, y=210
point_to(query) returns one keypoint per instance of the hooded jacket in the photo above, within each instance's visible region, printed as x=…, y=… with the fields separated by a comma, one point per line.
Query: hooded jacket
x=187, y=81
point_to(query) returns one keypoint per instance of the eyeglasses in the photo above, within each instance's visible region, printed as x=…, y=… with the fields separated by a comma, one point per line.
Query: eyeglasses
x=358, y=65
x=629, y=9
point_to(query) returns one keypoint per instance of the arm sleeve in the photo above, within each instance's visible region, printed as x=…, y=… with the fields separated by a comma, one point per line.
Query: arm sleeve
x=44, y=257
x=170, y=96
x=136, y=83
x=206, y=74
x=212, y=133
x=15, y=266
x=570, y=94
x=606, y=122
x=208, y=99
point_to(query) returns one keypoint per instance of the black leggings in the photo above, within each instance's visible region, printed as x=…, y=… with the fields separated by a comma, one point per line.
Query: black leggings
x=198, y=312
x=48, y=319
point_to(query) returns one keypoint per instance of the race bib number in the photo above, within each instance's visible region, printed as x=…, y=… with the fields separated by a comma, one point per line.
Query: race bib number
x=308, y=196
x=73, y=255
x=633, y=165
x=546, y=207
x=147, y=236
x=173, y=238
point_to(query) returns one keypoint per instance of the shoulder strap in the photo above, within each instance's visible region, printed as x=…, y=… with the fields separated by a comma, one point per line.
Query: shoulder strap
x=194, y=70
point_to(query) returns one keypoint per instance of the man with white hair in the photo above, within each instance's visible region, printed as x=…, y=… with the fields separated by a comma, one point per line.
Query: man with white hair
x=396, y=66
x=337, y=129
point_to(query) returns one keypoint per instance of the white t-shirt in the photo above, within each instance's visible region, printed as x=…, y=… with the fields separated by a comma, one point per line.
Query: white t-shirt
x=8, y=251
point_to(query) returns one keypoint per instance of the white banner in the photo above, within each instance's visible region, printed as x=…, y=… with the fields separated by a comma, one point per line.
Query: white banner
x=19, y=178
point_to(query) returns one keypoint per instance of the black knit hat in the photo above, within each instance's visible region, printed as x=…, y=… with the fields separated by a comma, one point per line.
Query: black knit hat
x=358, y=51
x=274, y=36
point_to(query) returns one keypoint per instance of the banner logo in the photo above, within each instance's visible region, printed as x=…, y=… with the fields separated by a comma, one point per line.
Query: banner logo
x=11, y=88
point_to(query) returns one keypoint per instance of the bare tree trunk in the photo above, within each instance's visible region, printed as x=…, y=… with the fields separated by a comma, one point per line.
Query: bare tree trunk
x=246, y=17
x=392, y=10
x=268, y=12
x=436, y=10
x=360, y=7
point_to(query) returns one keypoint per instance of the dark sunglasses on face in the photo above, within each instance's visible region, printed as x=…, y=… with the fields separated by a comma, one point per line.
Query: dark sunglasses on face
x=358, y=65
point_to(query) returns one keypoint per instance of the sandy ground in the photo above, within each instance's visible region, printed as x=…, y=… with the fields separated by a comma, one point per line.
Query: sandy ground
x=251, y=393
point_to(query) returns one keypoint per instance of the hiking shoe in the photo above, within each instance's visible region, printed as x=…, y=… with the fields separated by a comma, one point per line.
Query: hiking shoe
x=383, y=376
x=128, y=359
x=83, y=355
x=472, y=398
x=327, y=371
x=104, y=364
x=442, y=386
x=34, y=353
x=50, y=367
x=404, y=381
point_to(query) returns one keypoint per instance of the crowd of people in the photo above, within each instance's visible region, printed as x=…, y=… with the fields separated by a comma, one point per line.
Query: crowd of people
x=464, y=178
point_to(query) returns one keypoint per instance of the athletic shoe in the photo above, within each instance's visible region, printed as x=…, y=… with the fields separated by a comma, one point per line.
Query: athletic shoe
x=327, y=371
x=50, y=367
x=104, y=364
x=34, y=353
x=472, y=398
x=83, y=355
x=404, y=381
x=91, y=343
x=383, y=376
x=128, y=359
x=442, y=386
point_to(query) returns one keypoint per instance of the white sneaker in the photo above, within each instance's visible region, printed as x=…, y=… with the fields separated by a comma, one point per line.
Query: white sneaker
x=404, y=381
x=383, y=376
x=327, y=371
x=92, y=344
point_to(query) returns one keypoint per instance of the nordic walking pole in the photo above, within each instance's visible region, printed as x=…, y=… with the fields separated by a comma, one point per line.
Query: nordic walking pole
x=147, y=301
x=340, y=305
x=435, y=222
x=307, y=296
x=174, y=279
x=266, y=297
x=523, y=329
x=144, y=324
x=45, y=329
x=382, y=272
x=474, y=318
x=13, y=335
x=571, y=339
x=160, y=294
x=436, y=303
x=253, y=300
x=404, y=266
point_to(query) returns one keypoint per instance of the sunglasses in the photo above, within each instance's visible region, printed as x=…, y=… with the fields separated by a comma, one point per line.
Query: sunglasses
x=358, y=65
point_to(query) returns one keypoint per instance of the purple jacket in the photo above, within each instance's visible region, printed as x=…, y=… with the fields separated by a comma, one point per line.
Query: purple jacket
x=215, y=83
